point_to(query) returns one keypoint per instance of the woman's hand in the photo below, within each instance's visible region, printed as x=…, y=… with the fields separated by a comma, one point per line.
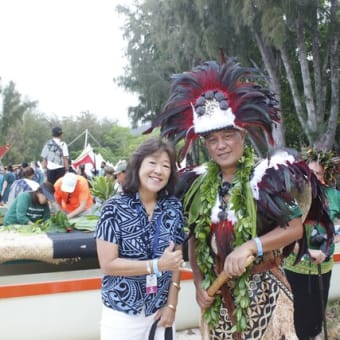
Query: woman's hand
x=317, y=256
x=171, y=259
x=166, y=317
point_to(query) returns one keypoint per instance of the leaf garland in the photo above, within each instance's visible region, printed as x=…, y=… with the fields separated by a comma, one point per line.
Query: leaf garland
x=200, y=199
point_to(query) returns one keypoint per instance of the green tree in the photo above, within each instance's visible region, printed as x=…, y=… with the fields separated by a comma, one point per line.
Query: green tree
x=12, y=111
x=308, y=45
x=28, y=143
x=294, y=42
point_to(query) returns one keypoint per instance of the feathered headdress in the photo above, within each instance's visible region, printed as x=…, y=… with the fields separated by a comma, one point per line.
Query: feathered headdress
x=217, y=96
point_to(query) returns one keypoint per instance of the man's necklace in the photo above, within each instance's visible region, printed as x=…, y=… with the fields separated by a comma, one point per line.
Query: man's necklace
x=224, y=195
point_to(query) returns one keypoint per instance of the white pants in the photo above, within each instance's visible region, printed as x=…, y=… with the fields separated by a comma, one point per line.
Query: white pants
x=117, y=325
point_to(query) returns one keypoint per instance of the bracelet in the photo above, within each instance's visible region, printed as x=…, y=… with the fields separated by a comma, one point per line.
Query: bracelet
x=155, y=268
x=172, y=307
x=175, y=284
x=258, y=246
x=148, y=268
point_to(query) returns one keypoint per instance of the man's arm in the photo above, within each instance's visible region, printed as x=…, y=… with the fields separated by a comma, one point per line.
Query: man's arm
x=79, y=210
x=202, y=297
x=66, y=165
x=44, y=164
x=65, y=155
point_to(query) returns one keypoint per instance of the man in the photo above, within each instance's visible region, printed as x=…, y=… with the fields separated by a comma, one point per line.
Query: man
x=72, y=194
x=102, y=168
x=238, y=213
x=119, y=173
x=55, y=156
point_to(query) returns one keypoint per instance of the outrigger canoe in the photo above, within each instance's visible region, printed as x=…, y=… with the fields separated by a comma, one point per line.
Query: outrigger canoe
x=50, y=288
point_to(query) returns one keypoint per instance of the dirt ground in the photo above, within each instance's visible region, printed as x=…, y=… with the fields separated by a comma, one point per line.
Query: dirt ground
x=333, y=320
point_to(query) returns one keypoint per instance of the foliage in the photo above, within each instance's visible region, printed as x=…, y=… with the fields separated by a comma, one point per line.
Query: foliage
x=28, y=130
x=85, y=223
x=326, y=159
x=199, y=200
x=167, y=37
x=12, y=111
x=294, y=42
x=56, y=223
x=102, y=187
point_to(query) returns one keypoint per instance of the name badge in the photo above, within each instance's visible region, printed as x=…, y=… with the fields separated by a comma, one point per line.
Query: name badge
x=151, y=284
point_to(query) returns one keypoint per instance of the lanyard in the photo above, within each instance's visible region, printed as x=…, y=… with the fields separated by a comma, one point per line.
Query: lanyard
x=157, y=232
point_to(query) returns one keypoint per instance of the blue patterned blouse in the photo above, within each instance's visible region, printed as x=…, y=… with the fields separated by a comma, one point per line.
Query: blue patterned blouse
x=124, y=221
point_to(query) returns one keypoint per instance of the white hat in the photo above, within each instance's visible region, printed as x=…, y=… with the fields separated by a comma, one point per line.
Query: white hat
x=69, y=182
x=32, y=184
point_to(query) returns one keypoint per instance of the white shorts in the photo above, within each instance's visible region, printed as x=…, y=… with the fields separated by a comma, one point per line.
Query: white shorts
x=117, y=325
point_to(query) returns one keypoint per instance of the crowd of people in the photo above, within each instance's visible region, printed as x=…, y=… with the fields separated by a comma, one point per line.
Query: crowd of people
x=50, y=185
x=260, y=257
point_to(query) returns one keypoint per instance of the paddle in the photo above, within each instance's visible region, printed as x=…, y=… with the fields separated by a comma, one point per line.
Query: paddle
x=212, y=290
x=223, y=277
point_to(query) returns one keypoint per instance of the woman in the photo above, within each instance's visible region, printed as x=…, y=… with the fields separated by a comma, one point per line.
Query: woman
x=139, y=237
x=311, y=277
x=238, y=213
x=9, y=178
x=26, y=183
x=30, y=206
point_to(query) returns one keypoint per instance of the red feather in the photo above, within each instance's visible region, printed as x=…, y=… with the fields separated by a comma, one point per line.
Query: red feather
x=254, y=106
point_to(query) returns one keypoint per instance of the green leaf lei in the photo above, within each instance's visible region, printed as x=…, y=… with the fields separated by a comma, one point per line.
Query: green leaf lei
x=200, y=199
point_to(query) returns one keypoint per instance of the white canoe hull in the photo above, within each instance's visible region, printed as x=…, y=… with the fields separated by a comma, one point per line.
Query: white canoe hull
x=67, y=304
x=334, y=291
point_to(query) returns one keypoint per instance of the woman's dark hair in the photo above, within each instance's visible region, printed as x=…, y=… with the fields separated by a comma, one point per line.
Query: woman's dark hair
x=45, y=188
x=34, y=197
x=152, y=145
x=27, y=172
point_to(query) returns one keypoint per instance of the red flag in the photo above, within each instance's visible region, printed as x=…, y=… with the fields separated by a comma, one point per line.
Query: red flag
x=4, y=149
x=82, y=160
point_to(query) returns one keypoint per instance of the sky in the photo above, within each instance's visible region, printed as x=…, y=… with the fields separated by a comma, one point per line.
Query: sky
x=64, y=54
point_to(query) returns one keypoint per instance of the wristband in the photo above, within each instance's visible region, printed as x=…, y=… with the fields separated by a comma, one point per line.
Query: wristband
x=258, y=246
x=155, y=268
x=148, y=268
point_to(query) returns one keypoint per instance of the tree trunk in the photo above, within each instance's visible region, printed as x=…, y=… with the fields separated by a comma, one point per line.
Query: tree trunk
x=305, y=74
x=300, y=112
x=274, y=80
x=319, y=98
x=326, y=140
